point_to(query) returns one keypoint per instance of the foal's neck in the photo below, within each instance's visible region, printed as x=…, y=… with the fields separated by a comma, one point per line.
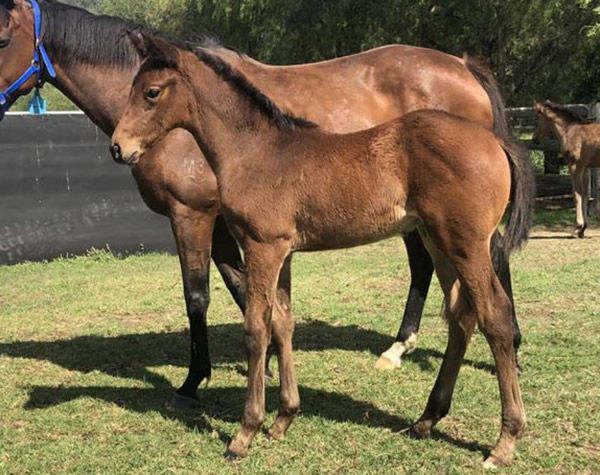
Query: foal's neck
x=231, y=127
x=560, y=127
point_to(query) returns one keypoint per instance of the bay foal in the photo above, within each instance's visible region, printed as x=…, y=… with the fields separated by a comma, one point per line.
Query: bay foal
x=286, y=185
x=580, y=147
x=343, y=95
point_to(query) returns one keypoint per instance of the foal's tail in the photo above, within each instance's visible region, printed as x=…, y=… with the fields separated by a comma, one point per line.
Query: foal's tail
x=488, y=82
x=522, y=195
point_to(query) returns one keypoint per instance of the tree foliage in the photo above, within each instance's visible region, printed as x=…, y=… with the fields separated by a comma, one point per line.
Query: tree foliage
x=538, y=48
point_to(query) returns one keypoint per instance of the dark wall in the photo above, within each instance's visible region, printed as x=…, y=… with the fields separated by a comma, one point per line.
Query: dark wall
x=61, y=193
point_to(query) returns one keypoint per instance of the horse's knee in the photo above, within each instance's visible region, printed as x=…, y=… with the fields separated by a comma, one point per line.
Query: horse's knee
x=256, y=337
x=197, y=304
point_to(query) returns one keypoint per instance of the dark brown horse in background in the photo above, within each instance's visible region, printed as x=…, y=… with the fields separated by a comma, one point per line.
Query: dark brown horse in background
x=286, y=185
x=580, y=147
x=95, y=63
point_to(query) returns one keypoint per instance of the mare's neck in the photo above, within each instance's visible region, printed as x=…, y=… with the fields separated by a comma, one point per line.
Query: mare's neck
x=100, y=92
x=94, y=62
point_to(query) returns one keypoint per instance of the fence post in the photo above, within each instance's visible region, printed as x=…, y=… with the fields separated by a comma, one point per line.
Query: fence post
x=594, y=208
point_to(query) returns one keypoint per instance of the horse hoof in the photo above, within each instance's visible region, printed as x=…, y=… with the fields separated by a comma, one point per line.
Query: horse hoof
x=273, y=435
x=384, y=364
x=233, y=454
x=419, y=431
x=492, y=463
x=232, y=457
x=179, y=403
x=579, y=232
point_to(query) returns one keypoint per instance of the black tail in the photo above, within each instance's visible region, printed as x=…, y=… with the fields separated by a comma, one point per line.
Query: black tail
x=488, y=82
x=522, y=175
x=522, y=195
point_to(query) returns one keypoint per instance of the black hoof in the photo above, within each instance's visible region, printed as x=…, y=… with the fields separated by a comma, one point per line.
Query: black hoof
x=232, y=456
x=179, y=403
x=413, y=434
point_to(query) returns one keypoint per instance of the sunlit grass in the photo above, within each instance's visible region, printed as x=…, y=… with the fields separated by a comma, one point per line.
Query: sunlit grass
x=91, y=349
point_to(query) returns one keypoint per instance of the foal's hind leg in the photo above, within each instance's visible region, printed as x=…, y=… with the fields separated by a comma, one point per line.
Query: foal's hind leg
x=578, y=178
x=483, y=296
x=502, y=268
x=421, y=271
x=492, y=307
x=461, y=323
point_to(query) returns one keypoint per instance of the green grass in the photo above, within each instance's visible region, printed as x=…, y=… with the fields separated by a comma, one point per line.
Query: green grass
x=91, y=349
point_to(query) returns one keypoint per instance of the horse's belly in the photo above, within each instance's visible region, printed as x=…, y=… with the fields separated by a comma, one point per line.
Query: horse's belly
x=349, y=229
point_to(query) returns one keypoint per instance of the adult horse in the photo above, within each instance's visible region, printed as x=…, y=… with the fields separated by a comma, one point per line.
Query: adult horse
x=580, y=147
x=288, y=186
x=95, y=62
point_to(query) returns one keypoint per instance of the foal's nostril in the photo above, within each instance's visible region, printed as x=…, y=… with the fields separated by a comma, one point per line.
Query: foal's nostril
x=115, y=151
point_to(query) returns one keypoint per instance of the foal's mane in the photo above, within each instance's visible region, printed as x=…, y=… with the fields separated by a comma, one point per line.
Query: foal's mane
x=243, y=84
x=75, y=36
x=564, y=113
x=232, y=76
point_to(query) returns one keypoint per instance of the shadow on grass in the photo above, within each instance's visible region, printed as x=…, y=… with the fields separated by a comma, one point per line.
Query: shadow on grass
x=129, y=356
x=226, y=404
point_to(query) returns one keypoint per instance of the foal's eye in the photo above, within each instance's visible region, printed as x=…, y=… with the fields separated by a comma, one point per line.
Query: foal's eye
x=153, y=93
x=4, y=42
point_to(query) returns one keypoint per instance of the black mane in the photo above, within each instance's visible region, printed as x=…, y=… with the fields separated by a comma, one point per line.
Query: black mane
x=75, y=36
x=241, y=82
x=565, y=113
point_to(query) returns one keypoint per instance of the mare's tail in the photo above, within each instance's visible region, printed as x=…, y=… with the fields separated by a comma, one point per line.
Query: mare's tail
x=488, y=82
x=522, y=176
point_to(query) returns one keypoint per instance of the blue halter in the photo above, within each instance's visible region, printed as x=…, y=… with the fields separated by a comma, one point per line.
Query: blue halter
x=40, y=60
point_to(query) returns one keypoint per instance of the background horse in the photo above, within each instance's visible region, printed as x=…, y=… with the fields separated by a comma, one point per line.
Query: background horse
x=580, y=147
x=342, y=95
x=299, y=188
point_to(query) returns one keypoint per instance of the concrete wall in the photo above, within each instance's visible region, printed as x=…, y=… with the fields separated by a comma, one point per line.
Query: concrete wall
x=61, y=193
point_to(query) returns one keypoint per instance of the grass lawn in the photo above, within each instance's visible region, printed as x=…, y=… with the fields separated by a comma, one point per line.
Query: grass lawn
x=92, y=348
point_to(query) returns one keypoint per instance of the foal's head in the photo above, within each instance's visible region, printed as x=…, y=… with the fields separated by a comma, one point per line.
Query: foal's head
x=159, y=100
x=543, y=126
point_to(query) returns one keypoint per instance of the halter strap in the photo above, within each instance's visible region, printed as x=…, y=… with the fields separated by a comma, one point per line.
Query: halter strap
x=40, y=61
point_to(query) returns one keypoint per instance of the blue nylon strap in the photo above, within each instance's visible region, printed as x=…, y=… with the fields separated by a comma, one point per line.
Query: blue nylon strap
x=36, y=65
x=39, y=47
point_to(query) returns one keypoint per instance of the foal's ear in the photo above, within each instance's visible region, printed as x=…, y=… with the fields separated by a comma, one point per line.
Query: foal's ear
x=153, y=47
x=7, y=4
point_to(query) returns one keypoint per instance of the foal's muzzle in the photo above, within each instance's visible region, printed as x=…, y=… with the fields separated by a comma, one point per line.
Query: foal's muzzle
x=115, y=151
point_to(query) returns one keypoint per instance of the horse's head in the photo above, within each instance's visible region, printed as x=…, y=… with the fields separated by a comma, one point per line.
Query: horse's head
x=159, y=100
x=543, y=126
x=16, y=48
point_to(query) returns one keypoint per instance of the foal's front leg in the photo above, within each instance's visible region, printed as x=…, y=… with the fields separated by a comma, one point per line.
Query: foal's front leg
x=283, y=328
x=263, y=266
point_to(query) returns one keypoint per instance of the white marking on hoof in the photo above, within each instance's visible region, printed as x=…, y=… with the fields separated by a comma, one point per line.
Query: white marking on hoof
x=490, y=464
x=392, y=358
